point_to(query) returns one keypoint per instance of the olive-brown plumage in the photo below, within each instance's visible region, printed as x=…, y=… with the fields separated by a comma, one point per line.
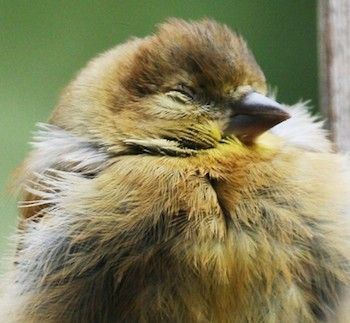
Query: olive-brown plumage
x=156, y=193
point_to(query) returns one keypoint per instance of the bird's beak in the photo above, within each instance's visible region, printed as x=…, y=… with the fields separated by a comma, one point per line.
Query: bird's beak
x=254, y=114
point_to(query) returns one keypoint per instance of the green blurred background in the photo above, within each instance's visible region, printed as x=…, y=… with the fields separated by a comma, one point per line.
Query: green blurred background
x=44, y=43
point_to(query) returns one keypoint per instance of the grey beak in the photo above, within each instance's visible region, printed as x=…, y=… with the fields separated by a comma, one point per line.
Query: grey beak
x=254, y=114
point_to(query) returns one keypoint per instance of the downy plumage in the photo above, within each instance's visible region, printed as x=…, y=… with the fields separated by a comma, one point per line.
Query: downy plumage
x=147, y=197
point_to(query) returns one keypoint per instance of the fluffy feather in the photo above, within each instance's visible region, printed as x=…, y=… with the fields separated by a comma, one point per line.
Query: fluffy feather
x=168, y=220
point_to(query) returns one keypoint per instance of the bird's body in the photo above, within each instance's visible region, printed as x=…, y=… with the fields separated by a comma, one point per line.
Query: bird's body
x=143, y=211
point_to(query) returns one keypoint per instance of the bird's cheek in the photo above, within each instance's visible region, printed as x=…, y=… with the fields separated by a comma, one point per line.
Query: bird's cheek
x=167, y=108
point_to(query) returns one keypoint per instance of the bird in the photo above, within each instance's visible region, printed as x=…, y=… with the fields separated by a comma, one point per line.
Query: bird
x=169, y=185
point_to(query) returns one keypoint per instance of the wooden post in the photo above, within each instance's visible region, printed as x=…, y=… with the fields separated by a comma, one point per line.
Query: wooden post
x=334, y=42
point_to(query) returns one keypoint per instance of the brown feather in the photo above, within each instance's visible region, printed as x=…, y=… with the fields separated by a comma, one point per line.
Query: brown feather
x=148, y=214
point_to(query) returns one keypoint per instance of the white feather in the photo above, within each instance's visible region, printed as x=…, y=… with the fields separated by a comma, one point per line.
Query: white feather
x=55, y=148
x=303, y=130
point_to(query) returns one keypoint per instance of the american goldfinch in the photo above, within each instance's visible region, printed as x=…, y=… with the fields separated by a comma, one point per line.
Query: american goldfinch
x=168, y=186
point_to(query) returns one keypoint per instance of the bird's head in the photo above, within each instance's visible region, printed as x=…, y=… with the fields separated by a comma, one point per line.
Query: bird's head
x=184, y=89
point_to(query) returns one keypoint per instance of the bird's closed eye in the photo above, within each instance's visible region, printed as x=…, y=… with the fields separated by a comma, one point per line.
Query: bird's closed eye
x=181, y=93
